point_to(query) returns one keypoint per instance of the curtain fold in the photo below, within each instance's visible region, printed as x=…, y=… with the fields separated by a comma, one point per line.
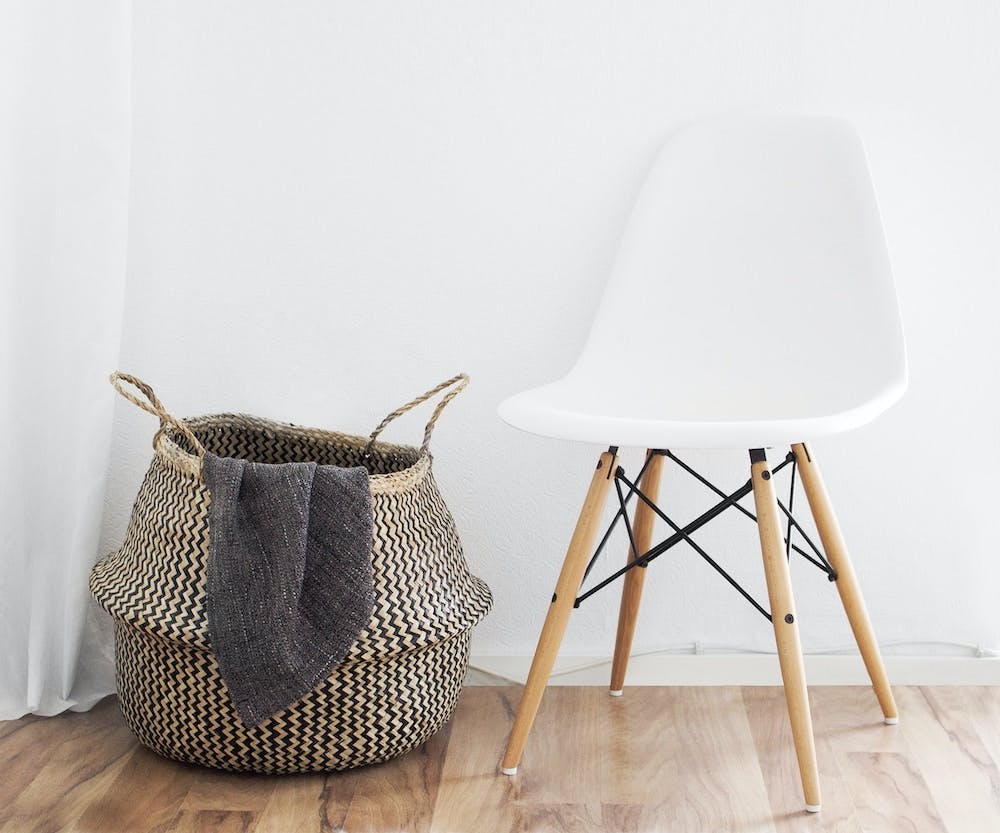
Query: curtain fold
x=64, y=187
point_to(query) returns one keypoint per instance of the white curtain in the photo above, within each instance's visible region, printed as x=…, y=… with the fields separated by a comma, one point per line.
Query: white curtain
x=64, y=180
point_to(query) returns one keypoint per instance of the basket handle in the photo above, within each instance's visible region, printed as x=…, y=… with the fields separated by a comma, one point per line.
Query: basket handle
x=456, y=383
x=153, y=406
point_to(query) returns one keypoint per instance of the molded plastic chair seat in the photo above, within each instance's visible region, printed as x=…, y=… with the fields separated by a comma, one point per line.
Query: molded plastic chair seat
x=574, y=411
x=751, y=302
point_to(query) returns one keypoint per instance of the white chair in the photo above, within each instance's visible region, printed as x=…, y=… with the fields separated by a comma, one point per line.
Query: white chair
x=751, y=305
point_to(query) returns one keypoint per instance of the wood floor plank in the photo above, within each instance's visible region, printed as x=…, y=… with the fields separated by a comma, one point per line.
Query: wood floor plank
x=982, y=705
x=888, y=790
x=687, y=755
x=214, y=821
x=30, y=743
x=473, y=795
x=76, y=769
x=563, y=763
x=890, y=794
x=303, y=804
x=852, y=720
x=562, y=818
x=335, y=798
x=145, y=797
x=768, y=717
x=400, y=794
x=719, y=751
x=645, y=759
x=666, y=816
x=237, y=791
x=958, y=768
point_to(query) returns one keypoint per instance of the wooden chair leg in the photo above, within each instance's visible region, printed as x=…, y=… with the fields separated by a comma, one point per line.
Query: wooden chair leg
x=567, y=587
x=642, y=531
x=786, y=633
x=847, y=581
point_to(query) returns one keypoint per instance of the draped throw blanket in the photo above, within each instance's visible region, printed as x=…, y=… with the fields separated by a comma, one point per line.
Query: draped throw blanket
x=289, y=576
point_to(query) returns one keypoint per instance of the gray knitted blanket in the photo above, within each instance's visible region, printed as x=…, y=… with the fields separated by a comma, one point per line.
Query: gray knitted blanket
x=289, y=576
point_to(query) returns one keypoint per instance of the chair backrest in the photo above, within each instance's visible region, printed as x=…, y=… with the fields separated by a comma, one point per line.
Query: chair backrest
x=752, y=281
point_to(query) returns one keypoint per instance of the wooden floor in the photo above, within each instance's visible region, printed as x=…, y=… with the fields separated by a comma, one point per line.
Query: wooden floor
x=657, y=759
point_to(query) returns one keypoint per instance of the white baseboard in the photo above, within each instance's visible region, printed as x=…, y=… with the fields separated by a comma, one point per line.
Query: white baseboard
x=741, y=669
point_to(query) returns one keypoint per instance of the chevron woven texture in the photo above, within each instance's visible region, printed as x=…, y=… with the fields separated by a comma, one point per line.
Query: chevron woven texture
x=399, y=682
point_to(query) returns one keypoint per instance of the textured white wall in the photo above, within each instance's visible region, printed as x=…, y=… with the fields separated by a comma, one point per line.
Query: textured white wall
x=336, y=205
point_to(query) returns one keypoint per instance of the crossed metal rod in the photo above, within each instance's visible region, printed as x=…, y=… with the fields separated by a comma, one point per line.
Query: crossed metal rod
x=684, y=533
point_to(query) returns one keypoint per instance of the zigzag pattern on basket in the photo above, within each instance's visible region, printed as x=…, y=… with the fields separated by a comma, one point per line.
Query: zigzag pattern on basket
x=399, y=681
x=157, y=579
x=174, y=700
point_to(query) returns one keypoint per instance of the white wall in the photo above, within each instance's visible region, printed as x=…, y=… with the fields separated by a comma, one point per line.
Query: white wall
x=336, y=205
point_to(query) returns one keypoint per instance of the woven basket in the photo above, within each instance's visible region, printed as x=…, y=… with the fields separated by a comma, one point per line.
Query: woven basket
x=400, y=680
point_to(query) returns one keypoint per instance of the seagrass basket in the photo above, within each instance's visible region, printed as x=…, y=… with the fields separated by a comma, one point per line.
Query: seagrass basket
x=398, y=683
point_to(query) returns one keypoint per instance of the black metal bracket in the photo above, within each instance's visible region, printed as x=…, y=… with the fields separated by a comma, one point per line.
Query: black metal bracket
x=683, y=534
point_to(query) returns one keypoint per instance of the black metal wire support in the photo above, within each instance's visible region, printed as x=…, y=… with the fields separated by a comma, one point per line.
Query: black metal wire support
x=622, y=511
x=700, y=551
x=745, y=511
x=683, y=534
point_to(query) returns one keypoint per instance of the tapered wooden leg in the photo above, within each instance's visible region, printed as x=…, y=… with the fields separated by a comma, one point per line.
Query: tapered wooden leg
x=567, y=587
x=642, y=531
x=847, y=581
x=786, y=632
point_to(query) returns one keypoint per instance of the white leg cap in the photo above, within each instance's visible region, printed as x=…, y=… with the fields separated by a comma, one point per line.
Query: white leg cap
x=614, y=693
x=891, y=721
x=509, y=770
x=813, y=808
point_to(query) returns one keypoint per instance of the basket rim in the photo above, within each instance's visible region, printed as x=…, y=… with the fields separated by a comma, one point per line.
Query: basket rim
x=174, y=454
